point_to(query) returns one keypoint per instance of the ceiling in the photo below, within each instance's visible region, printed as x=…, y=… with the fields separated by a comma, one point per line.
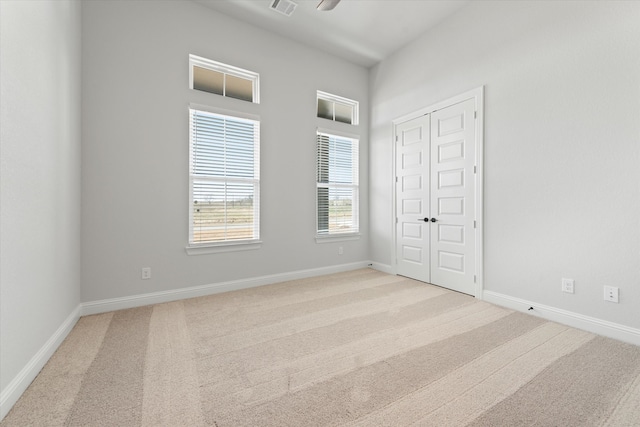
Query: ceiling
x=361, y=31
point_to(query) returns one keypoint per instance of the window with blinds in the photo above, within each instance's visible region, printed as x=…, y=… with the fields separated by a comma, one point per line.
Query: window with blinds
x=224, y=179
x=337, y=184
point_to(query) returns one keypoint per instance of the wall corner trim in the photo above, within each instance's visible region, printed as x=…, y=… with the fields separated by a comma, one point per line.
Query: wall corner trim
x=565, y=317
x=19, y=384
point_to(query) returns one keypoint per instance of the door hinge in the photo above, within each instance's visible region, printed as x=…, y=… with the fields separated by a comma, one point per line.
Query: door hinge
x=474, y=278
x=396, y=138
x=475, y=114
x=396, y=179
x=475, y=169
x=396, y=220
x=474, y=224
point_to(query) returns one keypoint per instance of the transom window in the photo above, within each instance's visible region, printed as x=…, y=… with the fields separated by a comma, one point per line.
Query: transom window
x=337, y=108
x=222, y=79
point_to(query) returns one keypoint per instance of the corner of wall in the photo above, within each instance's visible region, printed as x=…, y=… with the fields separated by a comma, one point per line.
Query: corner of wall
x=32, y=368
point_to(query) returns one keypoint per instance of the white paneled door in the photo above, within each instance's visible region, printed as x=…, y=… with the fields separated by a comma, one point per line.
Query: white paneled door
x=435, y=197
x=412, y=198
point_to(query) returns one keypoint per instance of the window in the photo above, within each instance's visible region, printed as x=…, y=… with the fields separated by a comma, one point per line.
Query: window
x=337, y=108
x=222, y=79
x=224, y=179
x=337, y=184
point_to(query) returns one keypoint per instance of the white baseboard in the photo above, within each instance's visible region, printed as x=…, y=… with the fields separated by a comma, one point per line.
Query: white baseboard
x=382, y=267
x=103, y=306
x=19, y=384
x=576, y=320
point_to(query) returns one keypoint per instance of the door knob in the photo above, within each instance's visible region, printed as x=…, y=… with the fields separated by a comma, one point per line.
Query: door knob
x=425, y=219
x=433, y=219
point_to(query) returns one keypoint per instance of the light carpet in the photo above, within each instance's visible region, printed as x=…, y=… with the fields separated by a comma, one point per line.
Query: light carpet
x=360, y=348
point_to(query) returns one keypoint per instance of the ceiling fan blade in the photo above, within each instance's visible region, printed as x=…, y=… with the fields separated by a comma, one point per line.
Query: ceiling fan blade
x=327, y=4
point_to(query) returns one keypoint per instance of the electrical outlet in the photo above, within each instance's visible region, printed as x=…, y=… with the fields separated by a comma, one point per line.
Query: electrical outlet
x=340, y=250
x=146, y=273
x=567, y=285
x=611, y=293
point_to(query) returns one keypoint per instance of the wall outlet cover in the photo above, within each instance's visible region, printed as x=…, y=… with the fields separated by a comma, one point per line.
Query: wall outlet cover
x=568, y=285
x=612, y=294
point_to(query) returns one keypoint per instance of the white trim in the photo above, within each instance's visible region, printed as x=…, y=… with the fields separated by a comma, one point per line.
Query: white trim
x=333, y=132
x=565, y=317
x=479, y=99
x=222, y=67
x=478, y=96
x=242, y=115
x=477, y=93
x=345, y=128
x=223, y=247
x=19, y=384
x=336, y=98
x=385, y=268
x=226, y=69
x=331, y=238
x=102, y=306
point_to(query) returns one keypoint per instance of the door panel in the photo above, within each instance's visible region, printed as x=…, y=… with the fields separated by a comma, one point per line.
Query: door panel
x=452, y=199
x=451, y=261
x=451, y=234
x=451, y=178
x=451, y=151
x=412, y=198
x=450, y=206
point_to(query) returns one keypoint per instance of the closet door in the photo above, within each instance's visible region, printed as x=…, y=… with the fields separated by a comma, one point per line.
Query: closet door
x=452, y=195
x=435, y=198
x=412, y=199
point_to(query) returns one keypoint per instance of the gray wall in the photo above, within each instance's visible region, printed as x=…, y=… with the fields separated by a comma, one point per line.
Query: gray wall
x=39, y=176
x=135, y=146
x=562, y=148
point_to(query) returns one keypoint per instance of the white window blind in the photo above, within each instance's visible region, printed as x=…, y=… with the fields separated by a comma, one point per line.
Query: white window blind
x=224, y=178
x=337, y=184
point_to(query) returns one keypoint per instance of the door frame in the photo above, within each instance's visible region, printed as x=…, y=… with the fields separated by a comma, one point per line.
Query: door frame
x=478, y=96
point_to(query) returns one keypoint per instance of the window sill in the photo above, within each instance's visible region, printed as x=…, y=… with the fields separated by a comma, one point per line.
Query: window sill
x=337, y=237
x=214, y=248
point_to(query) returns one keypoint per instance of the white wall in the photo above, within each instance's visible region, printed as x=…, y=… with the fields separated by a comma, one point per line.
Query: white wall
x=40, y=181
x=135, y=146
x=562, y=143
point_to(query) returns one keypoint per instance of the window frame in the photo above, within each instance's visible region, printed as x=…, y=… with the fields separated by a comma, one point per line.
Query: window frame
x=354, y=232
x=226, y=70
x=196, y=248
x=335, y=99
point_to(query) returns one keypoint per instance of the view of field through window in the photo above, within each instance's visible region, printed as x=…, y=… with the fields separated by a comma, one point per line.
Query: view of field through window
x=340, y=215
x=229, y=217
